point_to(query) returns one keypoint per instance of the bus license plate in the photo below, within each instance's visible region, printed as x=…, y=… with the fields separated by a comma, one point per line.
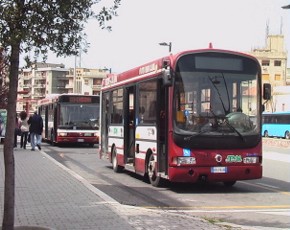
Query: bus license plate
x=81, y=140
x=219, y=170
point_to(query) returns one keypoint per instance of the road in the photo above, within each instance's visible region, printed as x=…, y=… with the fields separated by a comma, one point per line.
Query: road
x=263, y=203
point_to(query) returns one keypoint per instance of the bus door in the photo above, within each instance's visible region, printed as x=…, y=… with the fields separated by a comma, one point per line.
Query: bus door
x=129, y=124
x=162, y=127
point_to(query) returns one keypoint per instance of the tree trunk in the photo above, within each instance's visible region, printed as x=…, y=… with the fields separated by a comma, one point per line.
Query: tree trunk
x=9, y=190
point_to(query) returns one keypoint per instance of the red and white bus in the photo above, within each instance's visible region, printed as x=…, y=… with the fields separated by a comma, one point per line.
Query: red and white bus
x=70, y=118
x=192, y=116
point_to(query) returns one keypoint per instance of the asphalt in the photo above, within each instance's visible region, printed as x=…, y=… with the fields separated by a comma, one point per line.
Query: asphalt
x=47, y=194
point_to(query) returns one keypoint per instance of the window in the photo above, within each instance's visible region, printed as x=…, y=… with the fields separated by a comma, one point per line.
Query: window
x=265, y=62
x=265, y=77
x=117, y=107
x=147, y=102
x=277, y=63
x=277, y=77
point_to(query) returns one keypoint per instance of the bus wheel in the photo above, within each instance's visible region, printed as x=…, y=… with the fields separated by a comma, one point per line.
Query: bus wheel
x=266, y=134
x=287, y=135
x=229, y=183
x=117, y=168
x=151, y=171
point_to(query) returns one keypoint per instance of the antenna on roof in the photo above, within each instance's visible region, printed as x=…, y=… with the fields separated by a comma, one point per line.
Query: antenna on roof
x=210, y=45
x=267, y=31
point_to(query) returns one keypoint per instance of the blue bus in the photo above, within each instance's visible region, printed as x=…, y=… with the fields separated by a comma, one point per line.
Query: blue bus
x=276, y=124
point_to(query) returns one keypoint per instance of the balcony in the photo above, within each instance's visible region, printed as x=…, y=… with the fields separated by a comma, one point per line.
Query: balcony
x=25, y=86
x=69, y=86
x=96, y=87
x=39, y=85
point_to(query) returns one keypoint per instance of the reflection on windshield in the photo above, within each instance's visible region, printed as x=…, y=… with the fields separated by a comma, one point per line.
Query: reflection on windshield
x=215, y=103
x=79, y=116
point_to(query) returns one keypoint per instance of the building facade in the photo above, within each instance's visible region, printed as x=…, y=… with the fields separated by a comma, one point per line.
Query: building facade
x=85, y=81
x=273, y=60
x=45, y=79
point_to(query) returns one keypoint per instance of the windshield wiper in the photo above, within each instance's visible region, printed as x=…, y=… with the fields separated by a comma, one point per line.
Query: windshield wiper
x=235, y=130
x=195, y=135
x=214, y=82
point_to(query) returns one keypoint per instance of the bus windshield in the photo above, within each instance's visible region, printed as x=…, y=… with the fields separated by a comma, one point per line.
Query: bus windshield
x=216, y=102
x=79, y=116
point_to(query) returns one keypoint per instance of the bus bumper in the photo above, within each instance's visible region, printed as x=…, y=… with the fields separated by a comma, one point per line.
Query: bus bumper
x=214, y=174
x=86, y=140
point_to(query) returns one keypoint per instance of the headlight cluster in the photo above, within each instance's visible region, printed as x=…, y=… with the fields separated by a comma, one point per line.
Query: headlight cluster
x=62, y=134
x=251, y=160
x=184, y=161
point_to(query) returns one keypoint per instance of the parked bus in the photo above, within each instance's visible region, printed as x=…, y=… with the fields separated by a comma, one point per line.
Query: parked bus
x=70, y=118
x=193, y=116
x=276, y=124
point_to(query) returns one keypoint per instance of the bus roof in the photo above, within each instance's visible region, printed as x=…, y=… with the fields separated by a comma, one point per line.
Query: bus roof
x=51, y=98
x=154, y=68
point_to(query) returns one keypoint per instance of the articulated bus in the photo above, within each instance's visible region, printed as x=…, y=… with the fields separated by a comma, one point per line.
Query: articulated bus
x=276, y=124
x=70, y=118
x=193, y=116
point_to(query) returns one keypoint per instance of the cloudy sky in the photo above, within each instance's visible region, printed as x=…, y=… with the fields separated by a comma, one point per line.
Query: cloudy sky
x=189, y=24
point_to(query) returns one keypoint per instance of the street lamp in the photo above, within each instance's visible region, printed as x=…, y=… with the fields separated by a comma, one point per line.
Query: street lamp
x=166, y=44
x=286, y=7
x=107, y=69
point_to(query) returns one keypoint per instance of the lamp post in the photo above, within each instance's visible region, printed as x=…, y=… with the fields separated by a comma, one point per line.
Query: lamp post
x=166, y=44
x=107, y=69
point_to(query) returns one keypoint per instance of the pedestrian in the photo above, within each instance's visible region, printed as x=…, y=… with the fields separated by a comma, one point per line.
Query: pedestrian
x=17, y=131
x=24, y=127
x=35, y=129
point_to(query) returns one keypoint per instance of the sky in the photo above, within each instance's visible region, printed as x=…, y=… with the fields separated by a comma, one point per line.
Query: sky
x=140, y=26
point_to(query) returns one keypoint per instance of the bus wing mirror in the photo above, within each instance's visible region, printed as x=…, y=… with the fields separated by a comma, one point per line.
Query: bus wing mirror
x=166, y=77
x=166, y=73
x=267, y=91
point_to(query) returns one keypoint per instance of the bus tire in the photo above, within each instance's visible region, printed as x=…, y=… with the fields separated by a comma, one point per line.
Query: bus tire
x=117, y=168
x=287, y=135
x=154, y=180
x=229, y=183
x=266, y=134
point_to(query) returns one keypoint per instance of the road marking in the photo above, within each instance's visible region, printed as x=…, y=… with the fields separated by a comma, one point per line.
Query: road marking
x=280, y=213
x=267, y=185
x=284, y=212
x=230, y=208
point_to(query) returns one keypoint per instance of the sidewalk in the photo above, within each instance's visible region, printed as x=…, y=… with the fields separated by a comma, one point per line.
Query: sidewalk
x=50, y=195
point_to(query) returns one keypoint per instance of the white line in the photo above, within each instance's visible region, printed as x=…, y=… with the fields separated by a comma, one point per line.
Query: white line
x=267, y=185
x=277, y=211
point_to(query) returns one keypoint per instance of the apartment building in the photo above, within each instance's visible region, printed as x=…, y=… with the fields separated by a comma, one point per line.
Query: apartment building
x=273, y=60
x=85, y=81
x=46, y=78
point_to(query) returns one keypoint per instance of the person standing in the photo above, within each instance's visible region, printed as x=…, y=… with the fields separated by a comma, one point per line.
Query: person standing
x=24, y=127
x=16, y=131
x=35, y=129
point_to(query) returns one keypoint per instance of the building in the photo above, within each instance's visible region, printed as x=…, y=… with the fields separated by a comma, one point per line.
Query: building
x=45, y=78
x=38, y=81
x=85, y=81
x=273, y=60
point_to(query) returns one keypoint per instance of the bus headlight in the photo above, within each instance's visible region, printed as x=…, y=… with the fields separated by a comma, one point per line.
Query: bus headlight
x=185, y=161
x=251, y=160
x=62, y=134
